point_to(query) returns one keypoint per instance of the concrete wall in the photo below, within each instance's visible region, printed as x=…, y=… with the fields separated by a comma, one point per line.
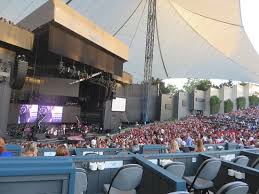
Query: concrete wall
x=166, y=107
x=199, y=100
x=183, y=105
x=253, y=89
x=134, y=95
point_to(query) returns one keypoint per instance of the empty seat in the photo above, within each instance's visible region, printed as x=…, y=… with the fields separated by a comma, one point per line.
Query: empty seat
x=207, y=171
x=234, y=188
x=80, y=181
x=176, y=168
x=241, y=160
x=256, y=164
x=125, y=180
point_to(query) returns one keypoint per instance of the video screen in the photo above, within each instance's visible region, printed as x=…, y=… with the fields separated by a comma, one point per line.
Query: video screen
x=119, y=104
x=28, y=113
x=51, y=114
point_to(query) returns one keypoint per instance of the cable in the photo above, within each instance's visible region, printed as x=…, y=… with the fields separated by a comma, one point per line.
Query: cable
x=160, y=50
x=135, y=33
x=128, y=18
x=69, y=1
x=214, y=19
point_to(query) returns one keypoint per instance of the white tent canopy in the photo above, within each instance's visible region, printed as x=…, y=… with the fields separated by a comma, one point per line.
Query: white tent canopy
x=201, y=38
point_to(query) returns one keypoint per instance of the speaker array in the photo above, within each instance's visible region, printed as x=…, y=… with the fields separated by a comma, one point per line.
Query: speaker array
x=18, y=72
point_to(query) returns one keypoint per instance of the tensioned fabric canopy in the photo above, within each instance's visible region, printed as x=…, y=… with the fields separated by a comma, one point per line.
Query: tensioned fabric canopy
x=201, y=38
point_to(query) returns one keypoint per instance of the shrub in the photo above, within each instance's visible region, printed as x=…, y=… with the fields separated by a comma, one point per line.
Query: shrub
x=253, y=100
x=241, y=102
x=228, y=106
x=214, y=104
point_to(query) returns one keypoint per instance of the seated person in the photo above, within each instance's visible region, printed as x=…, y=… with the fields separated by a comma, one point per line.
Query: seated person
x=3, y=152
x=135, y=148
x=30, y=150
x=184, y=148
x=62, y=150
x=174, y=147
x=199, y=146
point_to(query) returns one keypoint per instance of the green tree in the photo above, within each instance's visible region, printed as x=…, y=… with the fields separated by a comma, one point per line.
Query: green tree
x=161, y=84
x=199, y=84
x=190, y=85
x=204, y=85
x=241, y=102
x=253, y=100
x=229, y=83
x=228, y=106
x=172, y=88
x=243, y=84
x=214, y=104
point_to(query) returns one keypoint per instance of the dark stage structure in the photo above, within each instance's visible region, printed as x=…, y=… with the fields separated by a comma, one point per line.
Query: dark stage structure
x=70, y=61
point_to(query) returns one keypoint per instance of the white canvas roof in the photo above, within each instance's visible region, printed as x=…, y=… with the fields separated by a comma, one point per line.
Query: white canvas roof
x=201, y=38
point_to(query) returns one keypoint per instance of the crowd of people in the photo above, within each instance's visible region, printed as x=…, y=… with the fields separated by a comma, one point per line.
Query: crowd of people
x=239, y=127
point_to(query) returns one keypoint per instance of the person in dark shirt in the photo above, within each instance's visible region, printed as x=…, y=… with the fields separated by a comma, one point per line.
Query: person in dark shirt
x=3, y=152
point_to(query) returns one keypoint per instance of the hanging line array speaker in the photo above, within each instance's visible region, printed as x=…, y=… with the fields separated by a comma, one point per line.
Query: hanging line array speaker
x=18, y=72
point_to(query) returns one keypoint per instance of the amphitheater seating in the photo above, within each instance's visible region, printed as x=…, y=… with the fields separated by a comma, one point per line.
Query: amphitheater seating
x=125, y=180
x=70, y=175
x=80, y=181
x=204, y=176
x=234, y=188
x=31, y=175
x=256, y=164
x=241, y=160
x=176, y=168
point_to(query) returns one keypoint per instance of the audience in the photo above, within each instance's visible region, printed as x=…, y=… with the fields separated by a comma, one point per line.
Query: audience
x=199, y=146
x=62, y=150
x=3, y=152
x=30, y=150
x=239, y=127
x=174, y=147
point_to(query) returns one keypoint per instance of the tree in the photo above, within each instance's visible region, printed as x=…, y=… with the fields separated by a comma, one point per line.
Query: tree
x=203, y=85
x=243, y=84
x=198, y=84
x=241, y=102
x=229, y=83
x=253, y=100
x=190, y=85
x=161, y=84
x=228, y=106
x=214, y=104
x=172, y=88
x=215, y=86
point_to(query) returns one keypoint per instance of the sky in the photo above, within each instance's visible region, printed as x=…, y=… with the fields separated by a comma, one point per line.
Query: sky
x=250, y=18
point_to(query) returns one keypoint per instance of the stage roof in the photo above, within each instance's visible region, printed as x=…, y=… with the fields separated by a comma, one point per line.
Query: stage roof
x=15, y=36
x=57, y=11
x=201, y=38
